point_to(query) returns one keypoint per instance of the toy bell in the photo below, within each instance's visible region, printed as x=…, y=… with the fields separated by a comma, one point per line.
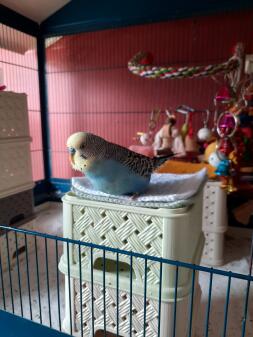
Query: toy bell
x=204, y=134
x=224, y=95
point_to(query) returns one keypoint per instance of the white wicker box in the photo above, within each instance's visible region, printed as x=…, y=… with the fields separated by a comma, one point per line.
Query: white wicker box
x=152, y=310
x=169, y=233
x=13, y=115
x=21, y=251
x=214, y=223
x=15, y=166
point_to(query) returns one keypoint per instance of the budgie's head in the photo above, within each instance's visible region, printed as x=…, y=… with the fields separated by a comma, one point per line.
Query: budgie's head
x=83, y=148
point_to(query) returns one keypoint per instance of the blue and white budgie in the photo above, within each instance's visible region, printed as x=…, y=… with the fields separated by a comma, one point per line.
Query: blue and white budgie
x=111, y=168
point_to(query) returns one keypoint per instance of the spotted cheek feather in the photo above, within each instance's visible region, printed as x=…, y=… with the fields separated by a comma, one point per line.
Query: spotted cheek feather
x=83, y=169
x=81, y=165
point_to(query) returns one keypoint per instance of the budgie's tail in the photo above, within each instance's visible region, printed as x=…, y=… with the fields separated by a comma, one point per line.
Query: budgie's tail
x=158, y=161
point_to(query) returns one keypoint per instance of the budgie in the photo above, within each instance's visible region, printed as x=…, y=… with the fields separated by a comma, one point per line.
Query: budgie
x=109, y=167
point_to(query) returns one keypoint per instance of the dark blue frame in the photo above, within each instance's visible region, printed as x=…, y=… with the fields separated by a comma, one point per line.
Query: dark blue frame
x=18, y=327
x=82, y=16
x=195, y=267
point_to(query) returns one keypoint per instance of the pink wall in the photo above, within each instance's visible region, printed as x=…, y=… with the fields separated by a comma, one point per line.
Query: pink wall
x=90, y=87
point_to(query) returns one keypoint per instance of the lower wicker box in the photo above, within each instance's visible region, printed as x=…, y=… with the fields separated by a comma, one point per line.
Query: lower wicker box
x=152, y=313
x=115, y=304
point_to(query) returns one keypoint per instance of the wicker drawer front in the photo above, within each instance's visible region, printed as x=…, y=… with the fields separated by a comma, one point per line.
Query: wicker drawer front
x=152, y=312
x=122, y=230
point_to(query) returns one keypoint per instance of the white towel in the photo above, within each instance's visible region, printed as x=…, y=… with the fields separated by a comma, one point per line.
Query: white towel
x=163, y=187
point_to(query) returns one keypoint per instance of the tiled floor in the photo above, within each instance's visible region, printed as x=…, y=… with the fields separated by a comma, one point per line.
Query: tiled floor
x=49, y=220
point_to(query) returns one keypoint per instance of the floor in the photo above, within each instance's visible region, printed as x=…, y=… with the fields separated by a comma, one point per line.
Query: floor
x=237, y=251
x=49, y=220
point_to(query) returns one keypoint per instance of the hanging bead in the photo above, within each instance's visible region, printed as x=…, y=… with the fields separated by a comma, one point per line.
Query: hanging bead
x=226, y=146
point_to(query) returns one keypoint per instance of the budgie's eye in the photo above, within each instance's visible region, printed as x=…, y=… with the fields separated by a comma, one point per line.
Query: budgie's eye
x=71, y=150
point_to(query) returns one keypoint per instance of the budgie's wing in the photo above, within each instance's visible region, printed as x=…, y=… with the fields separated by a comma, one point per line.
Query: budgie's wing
x=137, y=163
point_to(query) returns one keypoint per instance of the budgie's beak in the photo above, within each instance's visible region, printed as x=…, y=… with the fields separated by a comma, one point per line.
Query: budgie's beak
x=71, y=159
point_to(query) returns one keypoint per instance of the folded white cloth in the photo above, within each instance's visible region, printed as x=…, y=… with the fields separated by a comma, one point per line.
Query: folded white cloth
x=162, y=188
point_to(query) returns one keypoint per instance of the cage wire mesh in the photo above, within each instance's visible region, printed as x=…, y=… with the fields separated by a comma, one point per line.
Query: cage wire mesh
x=19, y=73
x=90, y=87
x=105, y=299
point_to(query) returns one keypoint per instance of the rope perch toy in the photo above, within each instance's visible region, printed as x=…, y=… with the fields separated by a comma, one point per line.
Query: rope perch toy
x=141, y=65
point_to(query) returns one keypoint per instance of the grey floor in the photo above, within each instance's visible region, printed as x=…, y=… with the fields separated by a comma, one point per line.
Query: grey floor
x=49, y=220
